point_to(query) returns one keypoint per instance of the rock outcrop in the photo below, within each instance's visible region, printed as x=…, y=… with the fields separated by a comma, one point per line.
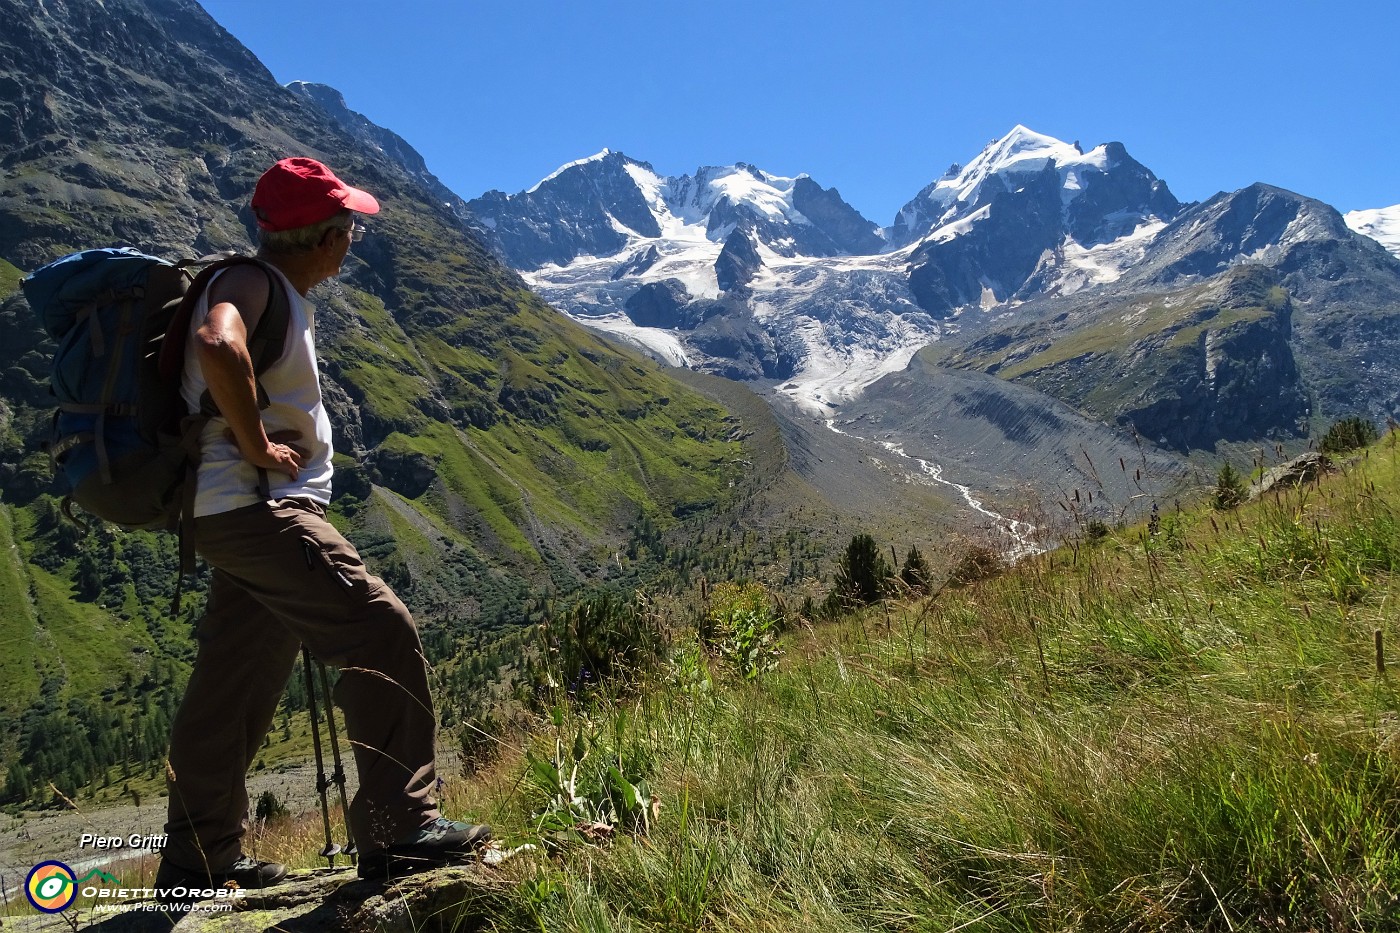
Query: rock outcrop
x=1303, y=468
x=458, y=900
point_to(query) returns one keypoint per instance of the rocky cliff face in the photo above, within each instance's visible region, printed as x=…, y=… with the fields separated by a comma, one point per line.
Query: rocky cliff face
x=989, y=262
x=738, y=262
x=1229, y=372
x=848, y=232
x=575, y=212
x=1345, y=289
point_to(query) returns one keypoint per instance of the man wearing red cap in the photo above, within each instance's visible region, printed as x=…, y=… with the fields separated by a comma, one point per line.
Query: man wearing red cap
x=283, y=577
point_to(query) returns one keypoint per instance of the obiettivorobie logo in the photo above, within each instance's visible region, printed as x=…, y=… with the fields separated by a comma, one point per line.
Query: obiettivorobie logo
x=52, y=887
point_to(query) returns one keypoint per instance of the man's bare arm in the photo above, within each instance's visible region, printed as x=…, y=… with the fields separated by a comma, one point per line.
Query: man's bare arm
x=237, y=300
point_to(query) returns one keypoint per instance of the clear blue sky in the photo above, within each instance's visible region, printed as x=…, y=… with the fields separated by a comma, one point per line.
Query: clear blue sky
x=873, y=97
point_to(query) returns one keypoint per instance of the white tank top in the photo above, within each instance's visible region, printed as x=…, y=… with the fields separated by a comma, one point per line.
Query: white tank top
x=293, y=385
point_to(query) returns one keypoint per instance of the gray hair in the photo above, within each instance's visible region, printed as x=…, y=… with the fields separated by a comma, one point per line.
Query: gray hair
x=303, y=239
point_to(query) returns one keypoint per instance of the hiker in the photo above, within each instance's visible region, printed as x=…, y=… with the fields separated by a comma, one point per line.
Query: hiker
x=283, y=577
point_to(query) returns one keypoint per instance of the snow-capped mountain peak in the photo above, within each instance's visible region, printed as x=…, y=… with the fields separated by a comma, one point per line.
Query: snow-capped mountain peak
x=596, y=157
x=1021, y=146
x=782, y=278
x=740, y=185
x=1017, y=159
x=1046, y=216
x=1381, y=224
x=608, y=204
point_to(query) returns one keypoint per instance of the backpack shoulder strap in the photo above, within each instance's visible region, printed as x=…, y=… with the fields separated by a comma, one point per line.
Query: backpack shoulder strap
x=267, y=341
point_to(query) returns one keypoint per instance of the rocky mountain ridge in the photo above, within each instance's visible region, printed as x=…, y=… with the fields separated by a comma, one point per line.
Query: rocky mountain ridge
x=330, y=101
x=601, y=205
x=1032, y=226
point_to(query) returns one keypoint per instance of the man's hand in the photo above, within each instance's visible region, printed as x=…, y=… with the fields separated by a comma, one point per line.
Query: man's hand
x=280, y=454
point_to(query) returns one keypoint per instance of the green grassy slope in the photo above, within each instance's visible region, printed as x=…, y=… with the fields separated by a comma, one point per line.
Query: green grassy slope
x=19, y=656
x=1189, y=725
x=9, y=278
x=1108, y=360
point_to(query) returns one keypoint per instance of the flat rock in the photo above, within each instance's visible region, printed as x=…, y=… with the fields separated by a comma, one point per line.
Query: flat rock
x=1301, y=469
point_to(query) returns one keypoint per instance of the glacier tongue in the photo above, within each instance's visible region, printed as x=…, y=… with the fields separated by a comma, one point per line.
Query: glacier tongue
x=854, y=317
x=850, y=320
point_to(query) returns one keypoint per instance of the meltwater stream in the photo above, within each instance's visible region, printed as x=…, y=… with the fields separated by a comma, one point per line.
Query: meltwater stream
x=1021, y=533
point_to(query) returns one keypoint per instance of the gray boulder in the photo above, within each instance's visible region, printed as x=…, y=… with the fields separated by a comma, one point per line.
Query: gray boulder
x=1301, y=469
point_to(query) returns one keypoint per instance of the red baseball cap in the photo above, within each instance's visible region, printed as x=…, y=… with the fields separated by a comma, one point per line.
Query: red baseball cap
x=300, y=192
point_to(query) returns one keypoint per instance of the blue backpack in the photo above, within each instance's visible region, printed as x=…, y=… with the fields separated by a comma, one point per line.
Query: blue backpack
x=121, y=437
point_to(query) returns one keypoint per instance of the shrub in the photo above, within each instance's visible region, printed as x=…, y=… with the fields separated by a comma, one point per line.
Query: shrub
x=602, y=644
x=592, y=787
x=744, y=627
x=269, y=809
x=1095, y=530
x=1348, y=434
x=979, y=562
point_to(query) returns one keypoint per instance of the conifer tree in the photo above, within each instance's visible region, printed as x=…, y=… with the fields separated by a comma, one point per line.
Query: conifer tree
x=17, y=785
x=1229, y=488
x=915, y=573
x=1348, y=434
x=863, y=575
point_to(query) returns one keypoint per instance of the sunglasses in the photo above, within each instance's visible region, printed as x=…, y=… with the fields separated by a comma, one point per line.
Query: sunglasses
x=357, y=233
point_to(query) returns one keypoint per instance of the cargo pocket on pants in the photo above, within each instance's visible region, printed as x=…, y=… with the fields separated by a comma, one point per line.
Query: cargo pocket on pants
x=350, y=577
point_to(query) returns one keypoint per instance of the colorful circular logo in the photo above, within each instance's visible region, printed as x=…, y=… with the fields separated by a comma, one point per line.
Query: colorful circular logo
x=51, y=887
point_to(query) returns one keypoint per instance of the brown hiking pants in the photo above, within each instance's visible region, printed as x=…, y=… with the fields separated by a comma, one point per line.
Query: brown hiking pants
x=283, y=578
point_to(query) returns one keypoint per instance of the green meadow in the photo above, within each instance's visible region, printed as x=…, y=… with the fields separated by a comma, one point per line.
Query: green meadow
x=1188, y=725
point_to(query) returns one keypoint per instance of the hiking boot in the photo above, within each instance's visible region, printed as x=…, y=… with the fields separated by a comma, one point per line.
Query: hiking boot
x=440, y=843
x=244, y=873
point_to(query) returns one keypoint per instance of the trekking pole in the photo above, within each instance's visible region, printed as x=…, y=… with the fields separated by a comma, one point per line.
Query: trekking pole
x=338, y=775
x=331, y=850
